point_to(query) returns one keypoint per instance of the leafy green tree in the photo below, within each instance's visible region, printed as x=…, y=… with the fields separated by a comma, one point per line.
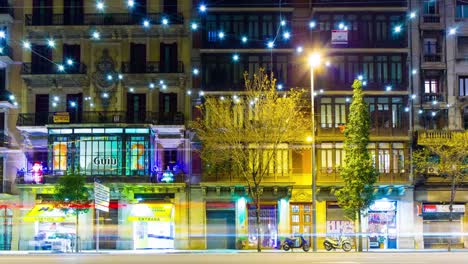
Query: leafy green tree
x=358, y=172
x=71, y=195
x=447, y=157
x=243, y=136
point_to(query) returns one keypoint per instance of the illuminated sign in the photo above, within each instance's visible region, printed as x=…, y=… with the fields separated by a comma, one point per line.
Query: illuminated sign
x=339, y=37
x=152, y=212
x=104, y=161
x=61, y=117
x=383, y=206
x=443, y=208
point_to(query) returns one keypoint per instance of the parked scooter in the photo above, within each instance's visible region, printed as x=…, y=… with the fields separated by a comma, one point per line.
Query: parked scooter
x=294, y=243
x=343, y=242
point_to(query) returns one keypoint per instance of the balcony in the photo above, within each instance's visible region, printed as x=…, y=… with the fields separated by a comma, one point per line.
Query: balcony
x=104, y=19
x=332, y=177
x=433, y=60
x=433, y=97
x=247, y=3
x=432, y=137
x=432, y=57
x=99, y=117
x=357, y=3
x=381, y=130
x=431, y=21
x=49, y=76
x=151, y=67
x=356, y=40
x=30, y=68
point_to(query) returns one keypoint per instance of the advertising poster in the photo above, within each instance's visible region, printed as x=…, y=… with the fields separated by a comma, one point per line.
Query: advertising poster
x=60, y=156
x=138, y=156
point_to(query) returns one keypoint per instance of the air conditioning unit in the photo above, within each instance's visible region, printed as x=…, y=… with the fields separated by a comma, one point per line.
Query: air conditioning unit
x=433, y=171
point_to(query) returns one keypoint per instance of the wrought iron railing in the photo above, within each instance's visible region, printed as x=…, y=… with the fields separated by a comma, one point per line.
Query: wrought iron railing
x=104, y=19
x=152, y=67
x=31, y=68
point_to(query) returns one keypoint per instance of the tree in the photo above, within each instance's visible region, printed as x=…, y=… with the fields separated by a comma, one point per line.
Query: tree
x=448, y=156
x=71, y=193
x=358, y=172
x=245, y=135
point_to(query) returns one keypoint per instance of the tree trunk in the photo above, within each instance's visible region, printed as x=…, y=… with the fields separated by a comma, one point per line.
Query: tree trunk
x=359, y=244
x=76, y=232
x=453, y=191
x=257, y=216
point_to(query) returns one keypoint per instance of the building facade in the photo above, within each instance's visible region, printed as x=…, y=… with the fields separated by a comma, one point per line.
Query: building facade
x=439, y=44
x=108, y=91
x=104, y=95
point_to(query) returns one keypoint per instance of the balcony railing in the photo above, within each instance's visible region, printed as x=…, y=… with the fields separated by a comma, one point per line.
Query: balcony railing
x=428, y=137
x=102, y=117
x=333, y=176
x=433, y=97
x=104, y=19
x=433, y=57
x=28, y=178
x=431, y=18
x=49, y=68
x=152, y=67
x=356, y=40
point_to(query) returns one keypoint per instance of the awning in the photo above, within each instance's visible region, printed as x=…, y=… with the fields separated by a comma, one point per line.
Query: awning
x=47, y=213
x=162, y=212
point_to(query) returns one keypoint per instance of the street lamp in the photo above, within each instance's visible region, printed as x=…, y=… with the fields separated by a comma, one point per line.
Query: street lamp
x=314, y=61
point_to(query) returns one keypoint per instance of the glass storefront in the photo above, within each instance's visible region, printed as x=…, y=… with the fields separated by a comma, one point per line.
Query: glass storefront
x=101, y=151
x=381, y=225
x=50, y=225
x=153, y=225
x=268, y=226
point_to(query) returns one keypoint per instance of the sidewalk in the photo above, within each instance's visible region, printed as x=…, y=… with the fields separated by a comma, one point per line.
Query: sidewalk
x=222, y=251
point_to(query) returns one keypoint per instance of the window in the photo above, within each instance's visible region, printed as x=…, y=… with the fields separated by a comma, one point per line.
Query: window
x=398, y=158
x=2, y=79
x=462, y=9
x=100, y=155
x=326, y=112
x=340, y=111
x=384, y=158
x=463, y=85
x=326, y=157
x=430, y=7
x=430, y=46
x=431, y=86
x=462, y=45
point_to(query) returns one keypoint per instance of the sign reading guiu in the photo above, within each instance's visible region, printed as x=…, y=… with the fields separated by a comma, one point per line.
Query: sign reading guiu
x=105, y=161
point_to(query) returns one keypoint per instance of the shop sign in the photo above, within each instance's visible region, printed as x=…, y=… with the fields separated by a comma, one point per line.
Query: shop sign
x=46, y=213
x=61, y=117
x=443, y=208
x=339, y=37
x=151, y=212
x=382, y=206
x=104, y=161
x=101, y=197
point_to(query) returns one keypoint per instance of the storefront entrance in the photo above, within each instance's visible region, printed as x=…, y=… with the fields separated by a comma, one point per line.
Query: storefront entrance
x=153, y=226
x=51, y=225
x=381, y=224
x=437, y=227
x=268, y=226
x=6, y=222
x=301, y=220
x=221, y=229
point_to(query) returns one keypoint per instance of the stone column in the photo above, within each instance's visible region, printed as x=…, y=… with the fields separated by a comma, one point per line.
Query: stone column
x=181, y=236
x=197, y=218
x=27, y=230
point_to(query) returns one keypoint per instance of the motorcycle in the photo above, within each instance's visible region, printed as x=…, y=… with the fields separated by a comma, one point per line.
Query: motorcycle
x=293, y=243
x=342, y=242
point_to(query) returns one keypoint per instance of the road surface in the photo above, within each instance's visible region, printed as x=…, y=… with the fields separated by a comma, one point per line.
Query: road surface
x=243, y=258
